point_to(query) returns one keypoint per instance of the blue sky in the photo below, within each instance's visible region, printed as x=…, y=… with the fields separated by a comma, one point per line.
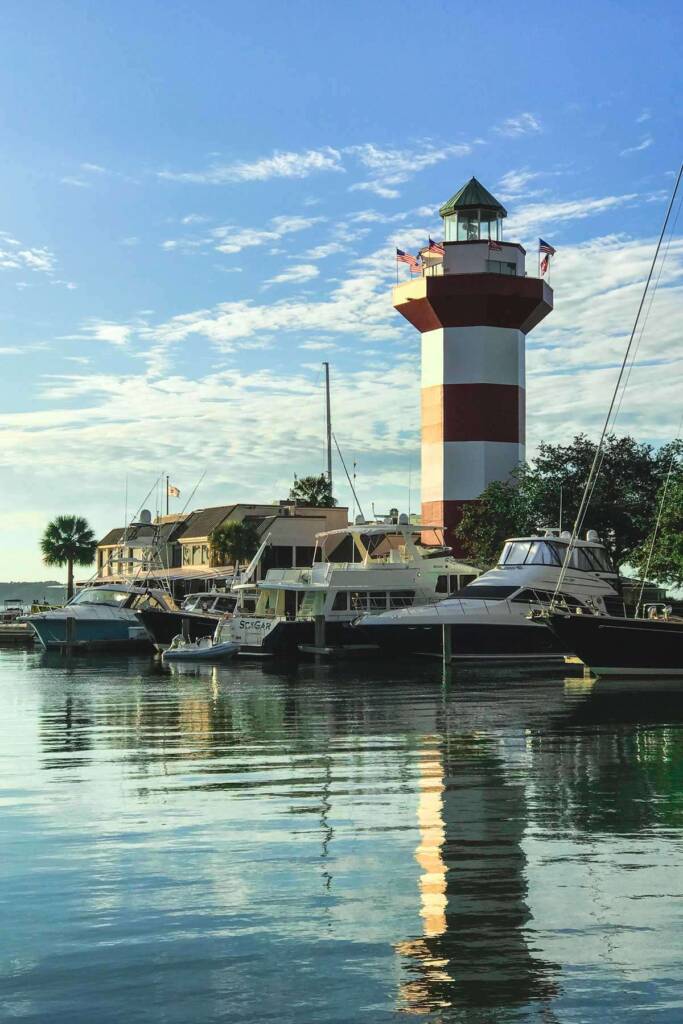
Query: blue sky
x=199, y=203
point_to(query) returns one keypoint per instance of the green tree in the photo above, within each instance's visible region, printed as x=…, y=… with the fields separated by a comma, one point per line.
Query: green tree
x=501, y=512
x=234, y=542
x=69, y=541
x=622, y=507
x=666, y=562
x=312, y=491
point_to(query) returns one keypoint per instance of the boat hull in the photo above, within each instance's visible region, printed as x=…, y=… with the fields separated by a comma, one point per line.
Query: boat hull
x=622, y=647
x=505, y=639
x=164, y=626
x=122, y=633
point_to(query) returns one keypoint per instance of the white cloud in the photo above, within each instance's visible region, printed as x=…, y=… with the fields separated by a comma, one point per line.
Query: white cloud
x=93, y=169
x=643, y=144
x=528, y=219
x=298, y=273
x=645, y=115
x=321, y=252
x=194, y=218
x=523, y=124
x=279, y=165
x=315, y=346
x=231, y=239
x=515, y=182
x=392, y=167
x=18, y=258
x=102, y=330
x=10, y=350
x=75, y=182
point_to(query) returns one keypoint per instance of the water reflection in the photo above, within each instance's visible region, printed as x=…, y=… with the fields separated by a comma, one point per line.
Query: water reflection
x=346, y=842
x=473, y=954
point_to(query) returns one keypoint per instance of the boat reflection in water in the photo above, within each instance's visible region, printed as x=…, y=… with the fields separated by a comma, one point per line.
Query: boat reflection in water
x=473, y=952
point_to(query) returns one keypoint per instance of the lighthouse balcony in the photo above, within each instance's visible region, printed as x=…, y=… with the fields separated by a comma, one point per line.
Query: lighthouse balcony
x=474, y=298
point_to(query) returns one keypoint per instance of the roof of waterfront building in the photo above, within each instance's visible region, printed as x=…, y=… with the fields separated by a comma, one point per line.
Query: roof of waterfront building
x=472, y=196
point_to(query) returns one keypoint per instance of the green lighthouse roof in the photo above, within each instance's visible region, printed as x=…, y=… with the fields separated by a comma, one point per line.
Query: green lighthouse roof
x=472, y=196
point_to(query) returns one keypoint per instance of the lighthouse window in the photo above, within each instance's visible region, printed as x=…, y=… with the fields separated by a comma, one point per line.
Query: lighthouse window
x=501, y=267
x=468, y=227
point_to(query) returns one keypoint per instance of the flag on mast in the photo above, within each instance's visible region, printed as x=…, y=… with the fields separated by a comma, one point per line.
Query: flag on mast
x=173, y=492
x=548, y=251
x=436, y=247
x=406, y=257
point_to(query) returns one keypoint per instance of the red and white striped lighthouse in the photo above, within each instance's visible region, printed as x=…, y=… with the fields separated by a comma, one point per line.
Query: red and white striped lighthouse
x=474, y=306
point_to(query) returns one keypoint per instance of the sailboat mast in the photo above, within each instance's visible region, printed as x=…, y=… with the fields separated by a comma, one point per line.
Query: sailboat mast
x=328, y=415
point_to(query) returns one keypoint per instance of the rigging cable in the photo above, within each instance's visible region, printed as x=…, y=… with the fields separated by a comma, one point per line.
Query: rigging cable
x=353, y=489
x=597, y=460
x=673, y=462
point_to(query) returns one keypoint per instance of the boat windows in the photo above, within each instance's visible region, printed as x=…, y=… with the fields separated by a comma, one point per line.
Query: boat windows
x=224, y=604
x=533, y=597
x=401, y=598
x=378, y=600
x=98, y=595
x=341, y=601
x=484, y=592
x=535, y=552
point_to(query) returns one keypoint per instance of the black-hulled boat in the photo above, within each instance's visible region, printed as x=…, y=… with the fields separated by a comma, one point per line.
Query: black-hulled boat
x=611, y=646
x=163, y=626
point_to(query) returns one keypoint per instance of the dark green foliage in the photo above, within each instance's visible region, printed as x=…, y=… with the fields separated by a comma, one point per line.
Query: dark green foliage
x=234, y=542
x=666, y=563
x=622, y=508
x=68, y=540
x=312, y=491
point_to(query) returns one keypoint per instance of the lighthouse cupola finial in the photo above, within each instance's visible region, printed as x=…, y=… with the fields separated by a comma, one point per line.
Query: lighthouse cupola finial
x=472, y=215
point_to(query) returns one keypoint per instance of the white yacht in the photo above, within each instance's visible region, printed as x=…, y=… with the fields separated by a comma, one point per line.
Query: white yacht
x=490, y=616
x=101, y=617
x=389, y=569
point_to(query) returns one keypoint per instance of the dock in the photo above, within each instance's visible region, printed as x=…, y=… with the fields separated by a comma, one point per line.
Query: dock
x=16, y=634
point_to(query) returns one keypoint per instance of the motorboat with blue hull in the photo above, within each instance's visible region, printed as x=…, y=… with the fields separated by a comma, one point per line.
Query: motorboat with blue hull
x=490, y=617
x=101, y=618
x=608, y=646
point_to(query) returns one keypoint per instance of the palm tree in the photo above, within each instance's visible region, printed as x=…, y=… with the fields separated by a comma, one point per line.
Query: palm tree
x=312, y=491
x=68, y=540
x=234, y=542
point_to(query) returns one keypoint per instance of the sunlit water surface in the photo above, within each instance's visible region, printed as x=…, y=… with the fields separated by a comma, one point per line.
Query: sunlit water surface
x=337, y=843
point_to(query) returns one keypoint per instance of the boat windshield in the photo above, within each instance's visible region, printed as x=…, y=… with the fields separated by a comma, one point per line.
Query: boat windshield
x=545, y=552
x=100, y=595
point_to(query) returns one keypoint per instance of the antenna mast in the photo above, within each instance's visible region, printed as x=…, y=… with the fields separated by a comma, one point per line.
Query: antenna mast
x=328, y=415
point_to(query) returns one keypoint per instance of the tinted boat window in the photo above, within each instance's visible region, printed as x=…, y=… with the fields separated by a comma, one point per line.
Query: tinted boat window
x=515, y=553
x=340, y=603
x=401, y=598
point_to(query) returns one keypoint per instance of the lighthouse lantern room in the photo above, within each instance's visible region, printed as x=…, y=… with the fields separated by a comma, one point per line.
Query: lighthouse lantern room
x=474, y=306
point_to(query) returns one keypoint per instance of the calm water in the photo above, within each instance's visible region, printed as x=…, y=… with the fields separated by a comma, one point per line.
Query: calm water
x=337, y=844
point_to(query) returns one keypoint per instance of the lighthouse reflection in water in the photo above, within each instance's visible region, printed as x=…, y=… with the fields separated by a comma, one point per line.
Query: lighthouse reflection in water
x=337, y=844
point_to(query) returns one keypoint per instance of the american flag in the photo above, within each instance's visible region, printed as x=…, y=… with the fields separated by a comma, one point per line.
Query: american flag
x=406, y=257
x=545, y=247
x=545, y=263
x=495, y=245
x=173, y=492
x=436, y=247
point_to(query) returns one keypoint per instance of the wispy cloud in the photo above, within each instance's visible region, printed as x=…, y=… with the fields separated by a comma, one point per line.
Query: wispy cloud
x=644, y=116
x=392, y=167
x=14, y=256
x=527, y=219
x=278, y=165
x=298, y=273
x=74, y=182
x=522, y=124
x=643, y=144
x=229, y=238
x=93, y=168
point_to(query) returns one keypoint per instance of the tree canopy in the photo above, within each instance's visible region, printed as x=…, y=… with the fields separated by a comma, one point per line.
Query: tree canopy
x=663, y=560
x=234, y=542
x=312, y=491
x=623, y=506
x=68, y=540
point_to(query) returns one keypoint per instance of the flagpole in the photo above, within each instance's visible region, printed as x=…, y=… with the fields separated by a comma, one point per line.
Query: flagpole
x=167, y=495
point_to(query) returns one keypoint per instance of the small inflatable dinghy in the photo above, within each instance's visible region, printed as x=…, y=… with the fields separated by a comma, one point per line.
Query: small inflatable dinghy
x=199, y=650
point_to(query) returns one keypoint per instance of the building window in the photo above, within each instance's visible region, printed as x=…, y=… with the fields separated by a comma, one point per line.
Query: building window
x=501, y=267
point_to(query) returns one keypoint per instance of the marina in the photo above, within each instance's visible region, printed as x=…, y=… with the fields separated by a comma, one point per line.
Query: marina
x=341, y=518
